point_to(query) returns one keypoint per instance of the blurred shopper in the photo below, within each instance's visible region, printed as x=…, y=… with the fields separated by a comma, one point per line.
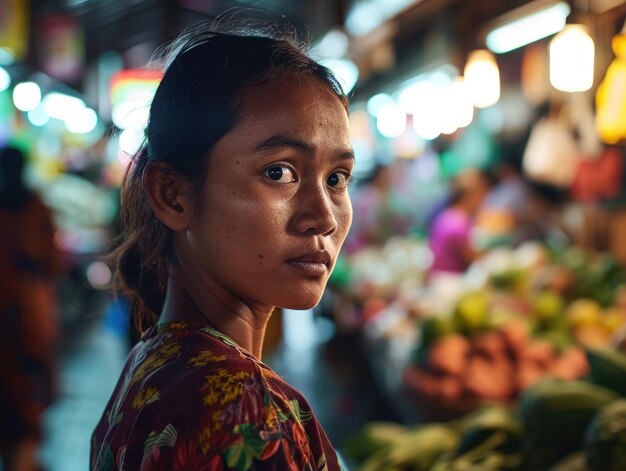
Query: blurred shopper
x=238, y=203
x=29, y=333
x=378, y=213
x=506, y=206
x=450, y=234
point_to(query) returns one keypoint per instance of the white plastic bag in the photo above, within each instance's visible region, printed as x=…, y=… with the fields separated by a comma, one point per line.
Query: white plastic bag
x=551, y=154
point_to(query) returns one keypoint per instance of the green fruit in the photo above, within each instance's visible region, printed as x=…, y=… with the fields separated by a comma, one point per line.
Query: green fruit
x=372, y=438
x=555, y=415
x=608, y=368
x=472, y=312
x=605, y=440
x=559, y=338
x=434, y=328
x=416, y=451
x=481, y=425
x=548, y=308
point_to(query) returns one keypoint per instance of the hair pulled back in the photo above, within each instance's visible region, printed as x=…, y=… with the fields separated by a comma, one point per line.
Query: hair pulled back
x=195, y=105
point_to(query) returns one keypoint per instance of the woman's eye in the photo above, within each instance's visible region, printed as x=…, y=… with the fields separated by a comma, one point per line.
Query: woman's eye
x=338, y=180
x=280, y=174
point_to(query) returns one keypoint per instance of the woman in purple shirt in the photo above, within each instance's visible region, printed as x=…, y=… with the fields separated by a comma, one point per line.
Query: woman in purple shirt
x=450, y=234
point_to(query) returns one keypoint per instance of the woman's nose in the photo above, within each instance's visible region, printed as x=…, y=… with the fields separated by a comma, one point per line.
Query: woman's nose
x=315, y=212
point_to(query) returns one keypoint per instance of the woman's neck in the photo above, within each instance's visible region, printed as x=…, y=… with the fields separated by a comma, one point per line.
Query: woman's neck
x=197, y=301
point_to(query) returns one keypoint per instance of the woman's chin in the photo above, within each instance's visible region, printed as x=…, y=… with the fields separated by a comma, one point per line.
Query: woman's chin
x=302, y=304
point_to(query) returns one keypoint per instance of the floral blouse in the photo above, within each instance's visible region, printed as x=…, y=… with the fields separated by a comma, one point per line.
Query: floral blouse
x=190, y=399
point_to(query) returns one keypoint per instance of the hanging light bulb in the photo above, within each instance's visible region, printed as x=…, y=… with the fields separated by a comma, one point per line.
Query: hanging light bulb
x=482, y=78
x=571, y=59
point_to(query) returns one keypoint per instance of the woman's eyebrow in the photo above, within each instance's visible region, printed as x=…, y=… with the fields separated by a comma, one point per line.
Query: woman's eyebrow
x=280, y=141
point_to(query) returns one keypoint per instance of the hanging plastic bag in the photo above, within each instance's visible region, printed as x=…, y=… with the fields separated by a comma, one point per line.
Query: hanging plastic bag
x=551, y=154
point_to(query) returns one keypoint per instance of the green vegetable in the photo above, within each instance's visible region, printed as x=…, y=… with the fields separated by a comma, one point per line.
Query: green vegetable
x=605, y=440
x=555, y=415
x=479, y=426
x=575, y=462
x=372, y=438
x=416, y=451
x=608, y=368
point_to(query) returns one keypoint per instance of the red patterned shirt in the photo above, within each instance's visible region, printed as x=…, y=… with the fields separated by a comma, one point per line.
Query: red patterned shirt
x=190, y=399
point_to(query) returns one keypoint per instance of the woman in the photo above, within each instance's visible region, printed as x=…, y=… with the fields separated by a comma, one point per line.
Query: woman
x=450, y=234
x=30, y=262
x=238, y=203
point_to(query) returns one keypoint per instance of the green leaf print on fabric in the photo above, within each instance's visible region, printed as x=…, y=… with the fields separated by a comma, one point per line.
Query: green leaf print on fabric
x=106, y=461
x=242, y=453
x=302, y=416
x=321, y=463
x=167, y=437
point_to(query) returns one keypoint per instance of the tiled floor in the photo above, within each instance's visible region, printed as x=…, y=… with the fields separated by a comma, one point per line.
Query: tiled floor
x=90, y=369
x=331, y=374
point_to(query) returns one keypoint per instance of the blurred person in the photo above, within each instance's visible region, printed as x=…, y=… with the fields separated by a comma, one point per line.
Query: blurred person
x=450, y=234
x=542, y=219
x=237, y=203
x=378, y=213
x=505, y=207
x=29, y=334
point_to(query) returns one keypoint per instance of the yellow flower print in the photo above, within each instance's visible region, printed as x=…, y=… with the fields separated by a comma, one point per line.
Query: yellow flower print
x=147, y=396
x=176, y=325
x=204, y=439
x=224, y=387
x=206, y=434
x=156, y=360
x=271, y=421
x=205, y=358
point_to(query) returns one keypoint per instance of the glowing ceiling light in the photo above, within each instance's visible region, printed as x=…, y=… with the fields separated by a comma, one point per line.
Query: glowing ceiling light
x=131, y=140
x=26, y=96
x=529, y=28
x=391, y=120
x=130, y=114
x=61, y=106
x=333, y=45
x=482, y=78
x=571, y=60
x=462, y=110
x=82, y=121
x=38, y=116
x=346, y=71
x=375, y=103
x=5, y=79
x=610, y=97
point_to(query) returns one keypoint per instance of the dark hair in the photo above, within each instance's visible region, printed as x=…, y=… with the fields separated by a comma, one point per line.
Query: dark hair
x=195, y=105
x=467, y=181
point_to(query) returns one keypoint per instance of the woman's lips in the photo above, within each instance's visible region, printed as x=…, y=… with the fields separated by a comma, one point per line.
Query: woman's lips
x=313, y=264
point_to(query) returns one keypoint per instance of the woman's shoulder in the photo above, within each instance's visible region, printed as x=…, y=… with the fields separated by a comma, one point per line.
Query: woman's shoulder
x=194, y=398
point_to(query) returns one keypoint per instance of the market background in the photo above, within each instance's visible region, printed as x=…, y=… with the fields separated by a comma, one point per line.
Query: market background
x=437, y=91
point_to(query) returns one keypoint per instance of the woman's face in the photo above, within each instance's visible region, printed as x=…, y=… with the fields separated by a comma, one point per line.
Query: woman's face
x=275, y=208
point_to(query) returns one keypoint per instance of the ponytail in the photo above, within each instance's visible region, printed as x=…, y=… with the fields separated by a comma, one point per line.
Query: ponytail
x=141, y=255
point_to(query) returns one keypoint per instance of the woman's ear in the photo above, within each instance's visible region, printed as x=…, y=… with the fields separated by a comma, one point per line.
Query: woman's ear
x=168, y=195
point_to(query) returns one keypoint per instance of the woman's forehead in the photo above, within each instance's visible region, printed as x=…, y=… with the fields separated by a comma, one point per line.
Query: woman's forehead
x=305, y=112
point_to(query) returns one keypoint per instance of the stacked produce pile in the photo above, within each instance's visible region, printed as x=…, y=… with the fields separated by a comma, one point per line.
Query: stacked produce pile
x=531, y=320
x=365, y=283
x=557, y=425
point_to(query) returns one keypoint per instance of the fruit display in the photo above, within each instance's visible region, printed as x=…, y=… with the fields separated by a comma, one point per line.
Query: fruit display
x=556, y=425
x=454, y=374
x=517, y=365
x=520, y=326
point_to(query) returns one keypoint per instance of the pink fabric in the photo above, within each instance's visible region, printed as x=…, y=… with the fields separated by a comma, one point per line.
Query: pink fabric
x=448, y=238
